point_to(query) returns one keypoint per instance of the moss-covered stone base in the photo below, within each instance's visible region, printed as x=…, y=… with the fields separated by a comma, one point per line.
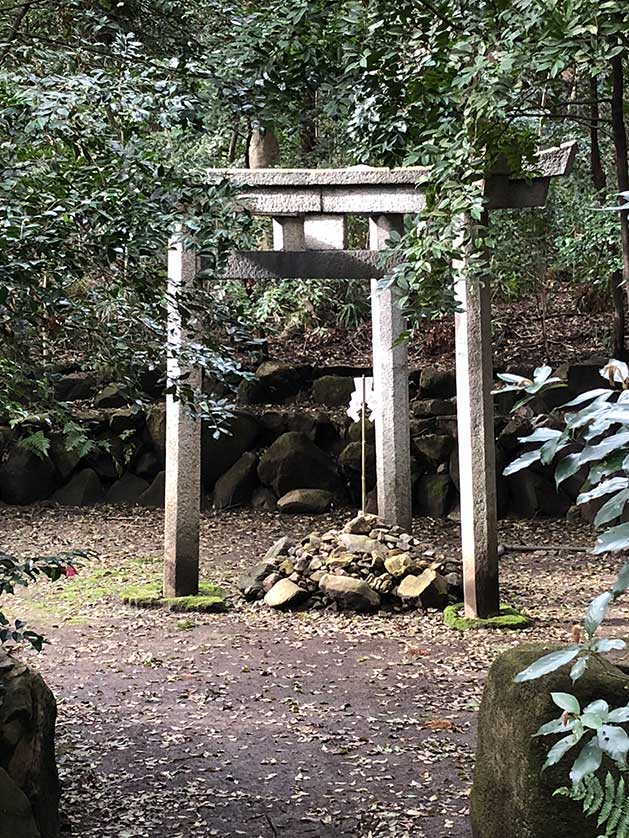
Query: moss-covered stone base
x=209, y=598
x=508, y=618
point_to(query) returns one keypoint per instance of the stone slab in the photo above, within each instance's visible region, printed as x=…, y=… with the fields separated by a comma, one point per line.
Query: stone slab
x=350, y=176
x=359, y=200
x=311, y=264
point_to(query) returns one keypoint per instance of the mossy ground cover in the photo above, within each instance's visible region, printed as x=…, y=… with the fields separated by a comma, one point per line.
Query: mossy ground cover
x=508, y=619
x=96, y=583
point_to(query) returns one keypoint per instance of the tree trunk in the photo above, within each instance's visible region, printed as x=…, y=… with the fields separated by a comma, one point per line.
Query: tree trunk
x=596, y=165
x=618, y=298
x=233, y=145
x=309, y=123
x=622, y=164
x=600, y=184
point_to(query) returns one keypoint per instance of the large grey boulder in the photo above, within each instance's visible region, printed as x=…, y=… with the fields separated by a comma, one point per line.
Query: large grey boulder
x=250, y=583
x=428, y=408
x=218, y=454
x=440, y=384
x=433, y=448
x=154, y=496
x=64, y=459
x=84, y=489
x=349, y=592
x=156, y=429
x=234, y=488
x=263, y=499
x=333, y=390
x=355, y=432
x=126, y=419
x=25, y=477
x=350, y=461
x=252, y=391
x=27, y=750
x=511, y=796
x=108, y=459
x=533, y=494
x=280, y=380
x=111, y=396
x=293, y=461
x=432, y=495
x=127, y=490
x=75, y=386
x=308, y=501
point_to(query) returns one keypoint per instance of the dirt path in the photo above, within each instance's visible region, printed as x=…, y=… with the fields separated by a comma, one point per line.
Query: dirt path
x=261, y=724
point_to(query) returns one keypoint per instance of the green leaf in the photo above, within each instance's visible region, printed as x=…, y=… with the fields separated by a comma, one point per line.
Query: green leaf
x=586, y=397
x=566, y=701
x=612, y=508
x=559, y=750
x=619, y=716
x=608, y=644
x=555, y=726
x=523, y=461
x=566, y=467
x=588, y=761
x=547, y=663
x=614, y=484
x=616, y=538
x=614, y=741
x=578, y=670
x=622, y=581
x=598, y=707
x=596, y=612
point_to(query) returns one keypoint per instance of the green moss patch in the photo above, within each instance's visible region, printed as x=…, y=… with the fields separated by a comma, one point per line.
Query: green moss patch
x=508, y=618
x=210, y=598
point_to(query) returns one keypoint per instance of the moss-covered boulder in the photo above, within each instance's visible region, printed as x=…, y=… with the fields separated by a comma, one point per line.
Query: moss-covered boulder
x=511, y=798
x=16, y=815
x=27, y=753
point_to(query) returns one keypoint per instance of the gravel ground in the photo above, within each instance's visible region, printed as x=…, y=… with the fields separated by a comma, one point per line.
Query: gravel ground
x=263, y=724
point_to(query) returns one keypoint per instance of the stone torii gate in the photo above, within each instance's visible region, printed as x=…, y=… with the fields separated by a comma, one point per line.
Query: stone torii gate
x=309, y=209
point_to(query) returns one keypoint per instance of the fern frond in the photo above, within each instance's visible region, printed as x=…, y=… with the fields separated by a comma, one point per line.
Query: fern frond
x=616, y=813
x=610, y=796
x=594, y=797
x=622, y=830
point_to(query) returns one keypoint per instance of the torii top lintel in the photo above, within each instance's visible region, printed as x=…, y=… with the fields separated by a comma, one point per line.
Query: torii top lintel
x=365, y=190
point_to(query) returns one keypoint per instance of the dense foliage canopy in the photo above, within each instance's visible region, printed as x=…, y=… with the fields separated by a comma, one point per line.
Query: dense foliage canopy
x=111, y=112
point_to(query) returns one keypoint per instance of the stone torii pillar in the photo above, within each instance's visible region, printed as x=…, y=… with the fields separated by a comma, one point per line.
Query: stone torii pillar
x=390, y=374
x=183, y=439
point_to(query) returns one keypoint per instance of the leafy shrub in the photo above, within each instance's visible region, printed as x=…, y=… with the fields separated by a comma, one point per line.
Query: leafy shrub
x=596, y=424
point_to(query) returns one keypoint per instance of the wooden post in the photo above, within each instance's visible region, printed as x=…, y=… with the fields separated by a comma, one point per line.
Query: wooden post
x=475, y=417
x=183, y=443
x=390, y=374
x=363, y=449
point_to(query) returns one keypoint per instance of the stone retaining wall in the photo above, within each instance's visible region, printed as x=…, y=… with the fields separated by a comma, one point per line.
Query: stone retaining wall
x=289, y=432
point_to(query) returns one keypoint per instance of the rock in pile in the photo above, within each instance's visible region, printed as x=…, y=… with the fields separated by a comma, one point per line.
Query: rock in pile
x=362, y=567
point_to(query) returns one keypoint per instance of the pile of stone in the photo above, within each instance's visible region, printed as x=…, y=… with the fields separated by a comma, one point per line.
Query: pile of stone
x=365, y=566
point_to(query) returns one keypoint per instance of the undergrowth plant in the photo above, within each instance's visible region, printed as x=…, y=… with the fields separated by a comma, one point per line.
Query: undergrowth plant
x=16, y=572
x=596, y=433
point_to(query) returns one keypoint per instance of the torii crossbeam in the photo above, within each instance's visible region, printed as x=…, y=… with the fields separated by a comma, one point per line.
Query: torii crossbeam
x=309, y=208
